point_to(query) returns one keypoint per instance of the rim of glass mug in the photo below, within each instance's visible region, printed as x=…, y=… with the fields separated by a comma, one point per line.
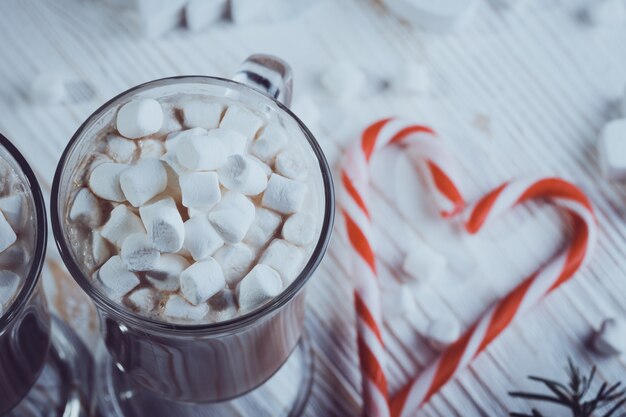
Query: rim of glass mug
x=236, y=323
x=41, y=234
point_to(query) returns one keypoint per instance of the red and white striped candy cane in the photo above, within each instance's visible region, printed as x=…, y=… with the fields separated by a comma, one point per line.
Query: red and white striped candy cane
x=355, y=185
x=566, y=196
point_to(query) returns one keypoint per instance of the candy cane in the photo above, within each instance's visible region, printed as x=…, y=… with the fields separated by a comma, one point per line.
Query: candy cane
x=355, y=185
x=574, y=202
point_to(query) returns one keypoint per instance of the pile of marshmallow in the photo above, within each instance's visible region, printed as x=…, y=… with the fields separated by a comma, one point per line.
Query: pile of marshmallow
x=191, y=213
x=612, y=147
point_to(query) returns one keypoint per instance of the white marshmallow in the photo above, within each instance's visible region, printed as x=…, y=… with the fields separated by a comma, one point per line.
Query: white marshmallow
x=610, y=339
x=171, y=160
x=223, y=305
x=178, y=308
x=174, y=138
x=195, y=212
x=47, y=88
x=400, y=303
x=412, y=78
x=284, y=258
x=248, y=11
x=200, y=14
x=422, y=262
x=290, y=163
x=234, y=142
x=170, y=120
x=143, y=181
x=201, y=153
x=99, y=248
x=202, y=114
x=243, y=175
x=612, y=150
x=258, y=286
x=165, y=227
x=143, y=299
x=165, y=274
x=151, y=148
x=442, y=332
x=299, y=229
x=604, y=12
x=435, y=16
x=156, y=17
x=121, y=224
x=7, y=235
x=9, y=285
x=343, y=80
x=116, y=279
x=271, y=141
x=104, y=181
x=138, y=253
x=263, y=228
x=235, y=261
x=284, y=195
x=202, y=281
x=14, y=256
x=85, y=208
x=242, y=120
x=233, y=216
x=201, y=239
x=200, y=189
x=121, y=149
x=139, y=118
x=266, y=168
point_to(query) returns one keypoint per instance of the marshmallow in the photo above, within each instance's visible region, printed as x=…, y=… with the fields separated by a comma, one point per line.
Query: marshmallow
x=12, y=208
x=201, y=239
x=612, y=150
x=290, y=163
x=235, y=261
x=233, y=216
x=171, y=160
x=243, y=175
x=104, y=181
x=258, y=286
x=165, y=227
x=434, y=16
x=143, y=181
x=201, y=153
x=247, y=11
x=200, y=189
x=200, y=14
x=202, y=281
x=263, y=228
x=299, y=229
x=9, y=285
x=116, y=279
x=271, y=141
x=7, y=235
x=223, y=305
x=343, y=80
x=143, y=299
x=14, y=256
x=138, y=253
x=85, y=208
x=266, y=168
x=151, y=148
x=122, y=223
x=99, y=248
x=164, y=276
x=442, y=332
x=400, y=303
x=610, y=339
x=174, y=138
x=195, y=212
x=139, y=118
x=170, y=120
x=422, y=262
x=284, y=195
x=603, y=12
x=178, y=308
x=202, y=114
x=173, y=185
x=412, y=78
x=234, y=142
x=284, y=258
x=242, y=120
x=121, y=149
x=47, y=88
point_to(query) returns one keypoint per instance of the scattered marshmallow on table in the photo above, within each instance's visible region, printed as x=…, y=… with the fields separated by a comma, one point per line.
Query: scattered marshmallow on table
x=242, y=120
x=290, y=163
x=284, y=258
x=200, y=14
x=47, y=88
x=7, y=235
x=138, y=253
x=9, y=285
x=177, y=307
x=116, y=279
x=201, y=239
x=202, y=281
x=85, y=208
x=299, y=229
x=164, y=276
x=247, y=11
x=264, y=227
x=235, y=261
x=200, y=189
x=164, y=224
x=261, y=284
x=139, y=118
x=435, y=16
x=156, y=17
x=234, y=142
x=201, y=153
x=399, y=303
x=202, y=114
x=411, y=78
x=271, y=141
x=120, y=149
x=233, y=216
x=284, y=195
x=143, y=299
x=242, y=174
x=612, y=150
x=442, y=332
x=143, y=181
x=422, y=262
x=104, y=181
x=343, y=80
x=610, y=339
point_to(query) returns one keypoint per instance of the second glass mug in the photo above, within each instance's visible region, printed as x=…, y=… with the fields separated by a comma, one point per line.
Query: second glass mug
x=209, y=362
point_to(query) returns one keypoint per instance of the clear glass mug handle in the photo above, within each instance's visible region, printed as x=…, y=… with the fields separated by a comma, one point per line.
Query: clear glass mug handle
x=268, y=74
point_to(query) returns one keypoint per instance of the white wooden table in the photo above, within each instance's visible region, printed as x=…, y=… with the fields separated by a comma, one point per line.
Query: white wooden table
x=515, y=93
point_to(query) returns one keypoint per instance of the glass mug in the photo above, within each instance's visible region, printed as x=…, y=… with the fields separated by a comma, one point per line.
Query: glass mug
x=208, y=362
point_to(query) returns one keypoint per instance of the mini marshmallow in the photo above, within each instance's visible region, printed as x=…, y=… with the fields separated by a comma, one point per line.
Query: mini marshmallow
x=100, y=250
x=85, y=208
x=242, y=120
x=422, y=262
x=174, y=138
x=202, y=281
x=201, y=153
x=266, y=168
x=139, y=118
x=104, y=181
x=612, y=150
x=143, y=299
x=299, y=229
x=9, y=285
x=120, y=149
x=195, y=212
x=138, y=253
x=200, y=189
x=233, y=216
x=47, y=88
x=165, y=227
x=284, y=195
x=170, y=120
x=284, y=258
x=271, y=141
x=234, y=142
x=263, y=228
x=400, y=303
x=171, y=160
x=435, y=16
x=14, y=256
x=202, y=114
x=258, y=286
x=116, y=279
x=164, y=276
x=7, y=235
x=442, y=332
x=151, y=148
x=343, y=80
x=243, y=175
x=412, y=78
x=201, y=239
x=235, y=261
x=200, y=14
x=178, y=308
x=291, y=163
x=122, y=223
x=143, y=181
x=610, y=339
